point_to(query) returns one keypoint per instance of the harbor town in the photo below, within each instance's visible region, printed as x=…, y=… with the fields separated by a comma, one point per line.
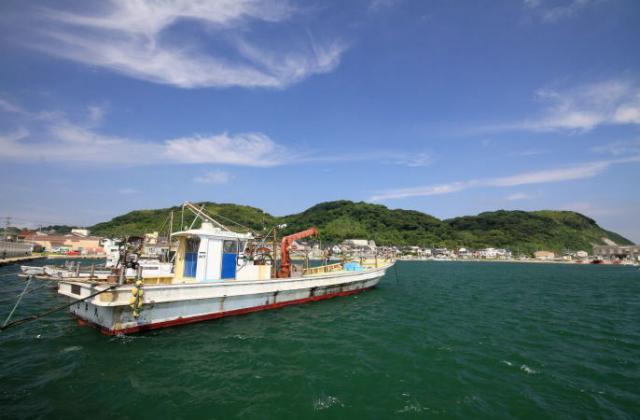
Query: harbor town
x=79, y=243
x=310, y=209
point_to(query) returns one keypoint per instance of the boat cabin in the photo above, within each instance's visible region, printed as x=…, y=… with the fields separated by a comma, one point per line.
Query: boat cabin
x=212, y=254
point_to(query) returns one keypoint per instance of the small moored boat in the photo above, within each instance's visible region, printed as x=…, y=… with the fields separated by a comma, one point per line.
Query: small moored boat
x=217, y=273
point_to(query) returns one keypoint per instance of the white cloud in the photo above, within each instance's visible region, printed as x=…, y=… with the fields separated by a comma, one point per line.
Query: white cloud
x=253, y=149
x=619, y=148
x=214, y=177
x=581, y=109
x=137, y=39
x=377, y=5
x=566, y=9
x=14, y=136
x=580, y=171
x=520, y=196
x=413, y=160
x=54, y=138
x=384, y=157
x=530, y=152
x=423, y=191
x=8, y=106
x=591, y=209
x=96, y=114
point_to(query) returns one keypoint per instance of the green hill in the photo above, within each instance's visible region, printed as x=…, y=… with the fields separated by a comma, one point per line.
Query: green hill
x=531, y=231
x=339, y=220
x=139, y=222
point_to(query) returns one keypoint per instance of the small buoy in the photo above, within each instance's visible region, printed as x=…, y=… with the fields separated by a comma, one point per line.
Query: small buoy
x=132, y=300
x=134, y=291
x=140, y=303
x=139, y=283
x=140, y=292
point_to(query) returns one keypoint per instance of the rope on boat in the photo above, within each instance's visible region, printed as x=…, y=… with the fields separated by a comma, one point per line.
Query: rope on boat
x=50, y=311
x=6, y=321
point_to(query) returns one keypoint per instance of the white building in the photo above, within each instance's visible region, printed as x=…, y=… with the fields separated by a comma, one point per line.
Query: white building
x=360, y=245
x=488, y=253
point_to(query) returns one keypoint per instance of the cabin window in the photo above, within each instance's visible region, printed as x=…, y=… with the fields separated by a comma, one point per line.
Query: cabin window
x=191, y=257
x=230, y=247
x=192, y=245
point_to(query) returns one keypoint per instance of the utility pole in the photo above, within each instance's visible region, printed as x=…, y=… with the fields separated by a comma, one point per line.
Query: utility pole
x=275, y=254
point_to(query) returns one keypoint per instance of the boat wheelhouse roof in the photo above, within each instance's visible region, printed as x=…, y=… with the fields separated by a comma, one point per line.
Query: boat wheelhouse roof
x=207, y=230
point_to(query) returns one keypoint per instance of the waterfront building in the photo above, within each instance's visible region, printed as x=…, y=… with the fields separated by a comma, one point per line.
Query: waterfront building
x=631, y=252
x=544, y=255
x=361, y=246
x=68, y=242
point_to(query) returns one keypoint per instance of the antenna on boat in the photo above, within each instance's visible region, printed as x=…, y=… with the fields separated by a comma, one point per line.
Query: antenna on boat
x=199, y=212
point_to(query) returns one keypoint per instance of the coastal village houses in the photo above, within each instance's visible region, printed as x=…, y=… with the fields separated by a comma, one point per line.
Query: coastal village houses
x=74, y=241
x=544, y=255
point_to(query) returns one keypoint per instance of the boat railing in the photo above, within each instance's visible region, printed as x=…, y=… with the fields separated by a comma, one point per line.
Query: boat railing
x=322, y=269
x=374, y=262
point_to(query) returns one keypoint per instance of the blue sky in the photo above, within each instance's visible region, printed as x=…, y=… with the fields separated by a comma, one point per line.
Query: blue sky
x=450, y=108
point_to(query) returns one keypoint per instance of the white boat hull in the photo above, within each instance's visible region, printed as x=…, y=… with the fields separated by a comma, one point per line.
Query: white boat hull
x=175, y=304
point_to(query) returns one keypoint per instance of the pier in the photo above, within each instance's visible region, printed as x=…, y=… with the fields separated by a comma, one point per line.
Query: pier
x=16, y=260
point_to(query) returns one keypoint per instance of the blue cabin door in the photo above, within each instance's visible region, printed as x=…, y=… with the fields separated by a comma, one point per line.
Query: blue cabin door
x=229, y=259
x=191, y=257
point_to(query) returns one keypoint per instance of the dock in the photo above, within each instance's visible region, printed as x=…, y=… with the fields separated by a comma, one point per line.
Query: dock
x=75, y=257
x=16, y=260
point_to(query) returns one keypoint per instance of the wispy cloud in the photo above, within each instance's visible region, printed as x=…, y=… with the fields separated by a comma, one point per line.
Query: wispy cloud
x=552, y=13
x=520, y=196
x=580, y=109
x=8, y=106
x=377, y=5
x=619, y=148
x=214, y=177
x=413, y=160
x=256, y=148
x=52, y=137
x=423, y=191
x=139, y=39
x=530, y=152
x=591, y=209
x=569, y=173
x=585, y=170
x=384, y=157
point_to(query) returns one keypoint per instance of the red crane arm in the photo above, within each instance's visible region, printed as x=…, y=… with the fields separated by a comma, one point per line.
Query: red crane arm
x=285, y=263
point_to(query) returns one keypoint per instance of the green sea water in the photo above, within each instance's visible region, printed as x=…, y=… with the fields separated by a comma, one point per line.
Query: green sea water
x=439, y=339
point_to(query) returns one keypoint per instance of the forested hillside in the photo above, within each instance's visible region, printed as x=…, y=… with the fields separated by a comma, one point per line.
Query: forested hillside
x=339, y=220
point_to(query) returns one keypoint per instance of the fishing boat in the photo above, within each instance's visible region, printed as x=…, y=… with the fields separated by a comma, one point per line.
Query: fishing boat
x=152, y=268
x=218, y=272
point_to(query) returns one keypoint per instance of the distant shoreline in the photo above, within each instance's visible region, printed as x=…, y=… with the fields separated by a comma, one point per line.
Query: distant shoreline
x=475, y=260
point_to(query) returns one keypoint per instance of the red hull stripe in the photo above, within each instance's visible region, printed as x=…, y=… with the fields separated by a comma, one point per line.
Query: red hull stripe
x=190, y=320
